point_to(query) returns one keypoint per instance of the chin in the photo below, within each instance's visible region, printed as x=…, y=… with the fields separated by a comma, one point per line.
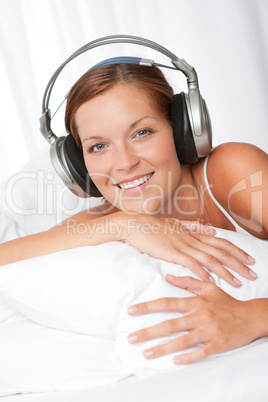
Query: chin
x=154, y=210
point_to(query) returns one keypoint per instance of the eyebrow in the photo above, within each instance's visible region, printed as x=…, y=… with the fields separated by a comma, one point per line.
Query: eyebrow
x=93, y=137
x=132, y=125
x=139, y=120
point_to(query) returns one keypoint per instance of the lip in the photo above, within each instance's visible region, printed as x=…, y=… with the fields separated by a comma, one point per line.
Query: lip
x=134, y=178
x=134, y=190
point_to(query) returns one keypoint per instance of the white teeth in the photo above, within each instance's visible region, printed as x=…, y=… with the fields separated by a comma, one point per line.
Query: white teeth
x=136, y=182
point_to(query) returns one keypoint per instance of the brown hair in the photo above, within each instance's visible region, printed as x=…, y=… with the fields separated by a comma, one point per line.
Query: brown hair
x=95, y=81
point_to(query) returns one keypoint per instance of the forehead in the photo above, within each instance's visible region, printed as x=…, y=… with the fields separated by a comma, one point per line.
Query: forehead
x=128, y=92
x=116, y=103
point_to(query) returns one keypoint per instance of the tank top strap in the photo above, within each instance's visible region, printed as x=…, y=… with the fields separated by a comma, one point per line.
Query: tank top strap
x=237, y=227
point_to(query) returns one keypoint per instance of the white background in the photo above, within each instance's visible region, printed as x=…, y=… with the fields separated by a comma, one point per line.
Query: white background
x=225, y=40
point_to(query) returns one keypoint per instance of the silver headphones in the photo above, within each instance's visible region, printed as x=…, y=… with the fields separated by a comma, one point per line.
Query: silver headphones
x=189, y=115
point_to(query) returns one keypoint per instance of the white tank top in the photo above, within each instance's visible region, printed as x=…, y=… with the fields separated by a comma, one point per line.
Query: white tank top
x=238, y=228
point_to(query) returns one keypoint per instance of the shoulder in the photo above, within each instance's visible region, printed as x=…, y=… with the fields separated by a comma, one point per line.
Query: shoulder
x=238, y=176
x=236, y=161
x=237, y=154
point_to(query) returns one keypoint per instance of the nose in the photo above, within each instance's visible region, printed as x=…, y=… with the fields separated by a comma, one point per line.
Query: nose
x=126, y=158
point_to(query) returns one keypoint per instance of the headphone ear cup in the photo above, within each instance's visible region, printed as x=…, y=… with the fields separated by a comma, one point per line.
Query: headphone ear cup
x=182, y=131
x=75, y=162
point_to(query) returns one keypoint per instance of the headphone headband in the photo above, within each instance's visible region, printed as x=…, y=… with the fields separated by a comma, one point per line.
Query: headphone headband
x=180, y=64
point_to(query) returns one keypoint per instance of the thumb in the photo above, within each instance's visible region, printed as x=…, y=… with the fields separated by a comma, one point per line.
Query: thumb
x=191, y=284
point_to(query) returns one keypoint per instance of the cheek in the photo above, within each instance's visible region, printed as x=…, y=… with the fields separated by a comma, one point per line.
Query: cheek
x=99, y=171
x=94, y=170
x=169, y=164
x=166, y=154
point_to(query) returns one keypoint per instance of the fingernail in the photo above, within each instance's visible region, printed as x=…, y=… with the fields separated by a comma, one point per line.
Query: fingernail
x=132, y=338
x=169, y=276
x=211, y=279
x=177, y=360
x=237, y=281
x=132, y=310
x=253, y=274
x=251, y=259
x=210, y=230
x=148, y=354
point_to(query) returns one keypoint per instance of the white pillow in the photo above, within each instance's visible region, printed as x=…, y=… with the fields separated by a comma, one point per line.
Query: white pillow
x=36, y=199
x=87, y=290
x=9, y=229
x=35, y=358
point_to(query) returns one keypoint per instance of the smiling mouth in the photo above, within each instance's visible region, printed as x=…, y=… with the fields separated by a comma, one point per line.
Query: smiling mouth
x=135, y=183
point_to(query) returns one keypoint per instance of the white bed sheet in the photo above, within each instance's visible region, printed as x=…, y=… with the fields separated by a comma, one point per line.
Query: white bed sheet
x=238, y=376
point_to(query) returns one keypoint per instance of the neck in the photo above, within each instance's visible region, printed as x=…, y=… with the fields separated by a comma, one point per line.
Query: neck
x=187, y=201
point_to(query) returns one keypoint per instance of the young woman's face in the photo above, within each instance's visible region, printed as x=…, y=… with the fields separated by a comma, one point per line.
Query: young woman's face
x=129, y=150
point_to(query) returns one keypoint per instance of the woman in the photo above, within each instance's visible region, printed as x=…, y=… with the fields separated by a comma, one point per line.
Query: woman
x=120, y=116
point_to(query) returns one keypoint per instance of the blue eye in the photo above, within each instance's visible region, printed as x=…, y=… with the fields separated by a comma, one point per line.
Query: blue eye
x=143, y=132
x=97, y=148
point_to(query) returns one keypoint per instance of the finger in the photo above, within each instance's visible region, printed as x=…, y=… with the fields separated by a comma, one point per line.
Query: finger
x=196, y=260
x=231, y=248
x=198, y=354
x=164, y=328
x=191, y=284
x=212, y=264
x=180, y=343
x=188, y=256
x=164, y=304
x=216, y=259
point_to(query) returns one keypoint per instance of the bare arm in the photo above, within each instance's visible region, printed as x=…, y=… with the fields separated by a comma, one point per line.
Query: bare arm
x=169, y=240
x=75, y=232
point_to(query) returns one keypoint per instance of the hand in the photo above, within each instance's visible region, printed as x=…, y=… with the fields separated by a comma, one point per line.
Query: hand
x=212, y=318
x=184, y=243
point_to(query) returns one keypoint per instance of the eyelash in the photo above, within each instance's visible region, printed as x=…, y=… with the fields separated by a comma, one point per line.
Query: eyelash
x=143, y=129
x=91, y=149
